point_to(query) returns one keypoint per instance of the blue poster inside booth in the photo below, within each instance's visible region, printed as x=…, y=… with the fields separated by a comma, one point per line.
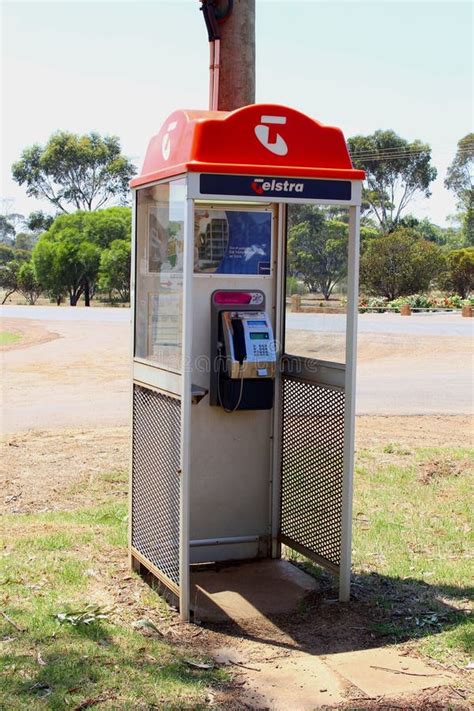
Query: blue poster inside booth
x=233, y=242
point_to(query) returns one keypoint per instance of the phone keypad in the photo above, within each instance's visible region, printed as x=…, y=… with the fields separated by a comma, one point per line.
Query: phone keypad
x=260, y=351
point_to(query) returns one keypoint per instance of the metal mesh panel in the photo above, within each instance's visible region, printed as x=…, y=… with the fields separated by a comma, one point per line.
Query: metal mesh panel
x=155, y=479
x=312, y=467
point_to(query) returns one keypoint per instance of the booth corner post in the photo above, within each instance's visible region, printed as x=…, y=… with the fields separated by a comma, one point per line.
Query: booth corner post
x=350, y=402
x=239, y=444
x=186, y=394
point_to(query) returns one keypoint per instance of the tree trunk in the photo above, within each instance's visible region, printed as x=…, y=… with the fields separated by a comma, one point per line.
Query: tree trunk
x=9, y=293
x=237, y=57
x=87, y=296
x=73, y=298
x=326, y=291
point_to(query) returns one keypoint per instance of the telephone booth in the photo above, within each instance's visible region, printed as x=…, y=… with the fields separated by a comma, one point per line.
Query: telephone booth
x=241, y=441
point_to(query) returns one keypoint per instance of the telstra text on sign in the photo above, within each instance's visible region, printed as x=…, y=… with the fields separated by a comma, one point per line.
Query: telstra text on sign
x=260, y=186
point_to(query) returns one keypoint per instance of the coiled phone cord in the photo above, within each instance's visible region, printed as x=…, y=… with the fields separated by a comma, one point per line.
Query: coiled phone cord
x=241, y=371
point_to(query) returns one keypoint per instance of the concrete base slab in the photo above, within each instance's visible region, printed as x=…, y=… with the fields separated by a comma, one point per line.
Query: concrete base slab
x=300, y=681
x=295, y=679
x=248, y=590
x=385, y=672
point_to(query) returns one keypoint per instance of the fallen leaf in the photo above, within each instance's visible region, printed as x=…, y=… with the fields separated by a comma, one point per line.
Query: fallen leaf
x=92, y=701
x=199, y=665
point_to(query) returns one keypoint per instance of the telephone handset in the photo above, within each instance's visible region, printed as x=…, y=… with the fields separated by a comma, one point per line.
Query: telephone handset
x=238, y=339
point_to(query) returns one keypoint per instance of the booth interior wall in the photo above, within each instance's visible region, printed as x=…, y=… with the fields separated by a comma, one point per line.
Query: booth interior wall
x=155, y=479
x=230, y=453
x=312, y=465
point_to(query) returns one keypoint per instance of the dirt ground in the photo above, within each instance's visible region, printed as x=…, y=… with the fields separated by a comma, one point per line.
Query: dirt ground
x=64, y=373
x=273, y=661
x=32, y=334
x=43, y=469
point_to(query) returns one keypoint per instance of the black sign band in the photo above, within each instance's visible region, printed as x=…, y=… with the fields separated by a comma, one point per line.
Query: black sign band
x=264, y=186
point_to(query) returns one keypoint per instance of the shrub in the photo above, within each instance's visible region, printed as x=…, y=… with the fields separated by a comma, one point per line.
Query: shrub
x=423, y=301
x=399, y=264
x=370, y=303
x=460, y=271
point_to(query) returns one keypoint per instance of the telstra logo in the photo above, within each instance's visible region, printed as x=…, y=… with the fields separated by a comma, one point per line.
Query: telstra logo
x=261, y=186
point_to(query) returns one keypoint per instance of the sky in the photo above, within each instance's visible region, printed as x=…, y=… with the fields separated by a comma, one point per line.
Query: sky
x=121, y=68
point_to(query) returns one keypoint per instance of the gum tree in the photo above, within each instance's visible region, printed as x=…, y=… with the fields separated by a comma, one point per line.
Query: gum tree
x=28, y=284
x=396, y=171
x=7, y=230
x=114, y=273
x=67, y=256
x=317, y=249
x=460, y=180
x=75, y=172
x=11, y=261
x=65, y=264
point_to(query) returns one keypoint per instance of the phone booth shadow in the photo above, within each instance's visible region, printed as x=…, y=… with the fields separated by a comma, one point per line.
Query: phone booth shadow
x=239, y=445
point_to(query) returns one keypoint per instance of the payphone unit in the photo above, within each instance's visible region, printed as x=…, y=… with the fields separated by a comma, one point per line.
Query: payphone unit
x=244, y=351
x=249, y=344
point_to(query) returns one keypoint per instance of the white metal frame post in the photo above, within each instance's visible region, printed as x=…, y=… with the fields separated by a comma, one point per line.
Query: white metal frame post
x=279, y=327
x=132, y=355
x=186, y=380
x=350, y=396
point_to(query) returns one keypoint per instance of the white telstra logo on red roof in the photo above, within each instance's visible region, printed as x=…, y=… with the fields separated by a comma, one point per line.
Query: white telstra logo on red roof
x=166, y=142
x=274, y=143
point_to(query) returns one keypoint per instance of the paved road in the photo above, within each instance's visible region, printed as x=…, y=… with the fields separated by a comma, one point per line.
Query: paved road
x=423, y=324
x=67, y=313
x=408, y=365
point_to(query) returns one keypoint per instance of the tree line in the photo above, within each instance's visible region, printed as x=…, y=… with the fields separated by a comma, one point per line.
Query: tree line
x=413, y=257
x=79, y=254
x=400, y=255
x=85, y=247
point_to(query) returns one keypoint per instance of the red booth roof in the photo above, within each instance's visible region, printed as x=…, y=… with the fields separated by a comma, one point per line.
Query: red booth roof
x=260, y=138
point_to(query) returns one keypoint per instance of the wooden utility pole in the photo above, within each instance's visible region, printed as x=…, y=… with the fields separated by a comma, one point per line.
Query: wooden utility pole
x=232, y=52
x=237, y=70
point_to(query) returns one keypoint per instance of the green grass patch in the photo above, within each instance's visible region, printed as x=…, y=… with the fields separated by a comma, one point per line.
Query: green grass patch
x=413, y=540
x=58, y=567
x=412, y=548
x=7, y=337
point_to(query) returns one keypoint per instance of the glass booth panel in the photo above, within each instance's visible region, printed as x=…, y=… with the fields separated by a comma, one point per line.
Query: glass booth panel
x=316, y=282
x=159, y=274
